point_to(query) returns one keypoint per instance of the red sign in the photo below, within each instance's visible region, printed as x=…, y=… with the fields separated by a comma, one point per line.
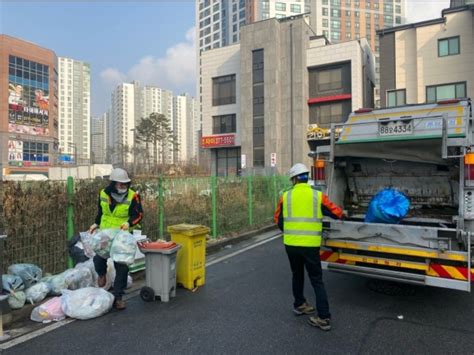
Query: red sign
x=218, y=141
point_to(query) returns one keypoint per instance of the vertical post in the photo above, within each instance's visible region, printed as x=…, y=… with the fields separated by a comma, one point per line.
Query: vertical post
x=161, y=207
x=70, y=215
x=275, y=192
x=250, y=199
x=214, y=205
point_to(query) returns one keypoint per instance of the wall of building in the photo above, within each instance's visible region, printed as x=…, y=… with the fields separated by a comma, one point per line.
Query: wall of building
x=17, y=130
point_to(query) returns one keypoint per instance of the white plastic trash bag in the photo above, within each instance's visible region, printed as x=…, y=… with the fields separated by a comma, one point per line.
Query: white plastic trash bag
x=89, y=265
x=124, y=248
x=37, y=293
x=86, y=303
x=87, y=244
x=16, y=300
x=56, y=283
x=12, y=283
x=78, y=278
x=29, y=273
x=101, y=241
x=129, y=281
x=48, y=311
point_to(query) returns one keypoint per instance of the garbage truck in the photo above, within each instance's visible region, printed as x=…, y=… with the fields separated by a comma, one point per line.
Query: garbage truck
x=424, y=151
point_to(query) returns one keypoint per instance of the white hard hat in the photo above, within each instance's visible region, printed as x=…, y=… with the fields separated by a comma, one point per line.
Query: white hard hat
x=298, y=169
x=119, y=175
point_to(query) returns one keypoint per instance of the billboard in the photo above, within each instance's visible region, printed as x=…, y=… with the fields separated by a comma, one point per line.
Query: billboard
x=218, y=141
x=15, y=152
x=28, y=103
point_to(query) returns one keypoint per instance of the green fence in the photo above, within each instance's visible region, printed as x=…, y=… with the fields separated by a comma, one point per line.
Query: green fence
x=39, y=217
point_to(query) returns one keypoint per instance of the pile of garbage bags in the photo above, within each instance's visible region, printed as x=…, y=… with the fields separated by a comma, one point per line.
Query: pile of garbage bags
x=75, y=291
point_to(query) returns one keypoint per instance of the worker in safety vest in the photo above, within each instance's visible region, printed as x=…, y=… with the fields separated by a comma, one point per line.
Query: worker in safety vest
x=299, y=215
x=119, y=207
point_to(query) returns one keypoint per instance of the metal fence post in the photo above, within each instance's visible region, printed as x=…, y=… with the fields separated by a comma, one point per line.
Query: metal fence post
x=161, y=207
x=250, y=198
x=70, y=215
x=214, y=205
x=275, y=192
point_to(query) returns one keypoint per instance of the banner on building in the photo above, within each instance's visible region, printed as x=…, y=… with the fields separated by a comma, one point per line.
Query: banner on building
x=218, y=141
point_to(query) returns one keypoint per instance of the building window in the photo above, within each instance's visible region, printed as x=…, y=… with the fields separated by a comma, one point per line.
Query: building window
x=326, y=33
x=223, y=90
x=223, y=124
x=348, y=35
x=336, y=24
x=348, y=13
x=336, y=2
x=348, y=24
x=295, y=8
x=35, y=152
x=445, y=92
x=280, y=16
x=336, y=35
x=398, y=9
x=336, y=13
x=329, y=80
x=325, y=114
x=325, y=11
x=258, y=108
x=280, y=6
x=398, y=20
x=227, y=161
x=448, y=46
x=325, y=22
x=388, y=8
x=357, y=14
x=325, y=2
x=388, y=19
x=396, y=98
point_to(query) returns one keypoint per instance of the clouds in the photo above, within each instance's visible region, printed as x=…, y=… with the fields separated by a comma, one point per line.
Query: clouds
x=176, y=70
x=421, y=10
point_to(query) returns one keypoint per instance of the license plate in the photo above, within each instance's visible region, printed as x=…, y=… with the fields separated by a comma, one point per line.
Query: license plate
x=398, y=128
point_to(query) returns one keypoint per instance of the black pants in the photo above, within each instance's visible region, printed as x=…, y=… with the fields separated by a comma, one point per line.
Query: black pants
x=121, y=274
x=301, y=257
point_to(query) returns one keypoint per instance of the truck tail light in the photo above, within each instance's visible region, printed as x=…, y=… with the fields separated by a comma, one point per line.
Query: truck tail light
x=469, y=169
x=320, y=171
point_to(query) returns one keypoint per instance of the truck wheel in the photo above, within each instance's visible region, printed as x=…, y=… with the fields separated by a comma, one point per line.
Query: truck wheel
x=147, y=294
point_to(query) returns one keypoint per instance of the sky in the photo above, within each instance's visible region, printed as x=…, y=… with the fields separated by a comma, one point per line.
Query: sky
x=150, y=41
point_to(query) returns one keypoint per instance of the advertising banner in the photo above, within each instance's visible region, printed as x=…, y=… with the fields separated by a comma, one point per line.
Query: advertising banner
x=218, y=141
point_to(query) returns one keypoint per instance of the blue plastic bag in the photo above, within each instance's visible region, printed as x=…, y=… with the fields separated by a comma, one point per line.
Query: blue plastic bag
x=388, y=206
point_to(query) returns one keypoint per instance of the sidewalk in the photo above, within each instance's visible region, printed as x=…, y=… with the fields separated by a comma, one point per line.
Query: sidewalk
x=17, y=323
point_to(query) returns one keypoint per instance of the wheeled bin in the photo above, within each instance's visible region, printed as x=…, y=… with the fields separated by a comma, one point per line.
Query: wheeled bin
x=191, y=260
x=160, y=261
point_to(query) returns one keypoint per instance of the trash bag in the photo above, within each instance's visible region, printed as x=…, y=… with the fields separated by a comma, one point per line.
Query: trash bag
x=89, y=265
x=56, y=284
x=76, y=250
x=78, y=278
x=129, y=281
x=37, y=293
x=124, y=248
x=101, y=241
x=16, y=300
x=110, y=276
x=387, y=206
x=87, y=244
x=29, y=273
x=48, y=311
x=12, y=283
x=86, y=303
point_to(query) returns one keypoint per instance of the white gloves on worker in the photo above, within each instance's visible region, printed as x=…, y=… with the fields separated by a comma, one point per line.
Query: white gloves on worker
x=93, y=228
x=125, y=226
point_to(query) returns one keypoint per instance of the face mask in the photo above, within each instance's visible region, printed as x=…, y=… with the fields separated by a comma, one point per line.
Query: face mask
x=122, y=191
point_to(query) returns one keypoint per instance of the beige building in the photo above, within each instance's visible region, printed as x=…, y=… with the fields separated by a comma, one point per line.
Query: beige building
x=259, y=96
x=428, y=61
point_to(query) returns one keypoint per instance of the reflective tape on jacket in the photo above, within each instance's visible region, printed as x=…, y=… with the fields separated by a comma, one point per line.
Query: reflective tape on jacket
x=302, y=216
x=117, y=217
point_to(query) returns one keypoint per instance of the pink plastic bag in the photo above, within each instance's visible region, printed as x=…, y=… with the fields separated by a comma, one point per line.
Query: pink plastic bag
x=48, y=311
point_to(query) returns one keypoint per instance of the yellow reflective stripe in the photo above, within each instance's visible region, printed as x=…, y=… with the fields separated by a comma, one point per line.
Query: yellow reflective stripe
x=455, y=274
x=300, y=232
x=385, y=262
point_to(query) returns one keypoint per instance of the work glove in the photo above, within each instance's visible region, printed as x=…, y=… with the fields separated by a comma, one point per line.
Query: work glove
x=93, y=228
x=125, y=226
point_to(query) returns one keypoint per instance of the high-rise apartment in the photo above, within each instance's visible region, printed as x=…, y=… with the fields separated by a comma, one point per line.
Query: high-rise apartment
x=121, y=125
x=185, y=128
x=28, y=107
x=98, y=139
x=74, y=110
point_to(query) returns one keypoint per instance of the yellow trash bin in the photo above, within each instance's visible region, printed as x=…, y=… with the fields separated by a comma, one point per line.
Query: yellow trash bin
x=191, y=259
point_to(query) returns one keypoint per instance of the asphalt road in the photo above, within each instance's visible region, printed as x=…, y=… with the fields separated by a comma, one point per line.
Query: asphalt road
x=245, y=307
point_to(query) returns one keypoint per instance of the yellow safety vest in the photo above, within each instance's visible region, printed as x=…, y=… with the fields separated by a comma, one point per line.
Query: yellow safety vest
x=302, y=216
x=117, y=217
